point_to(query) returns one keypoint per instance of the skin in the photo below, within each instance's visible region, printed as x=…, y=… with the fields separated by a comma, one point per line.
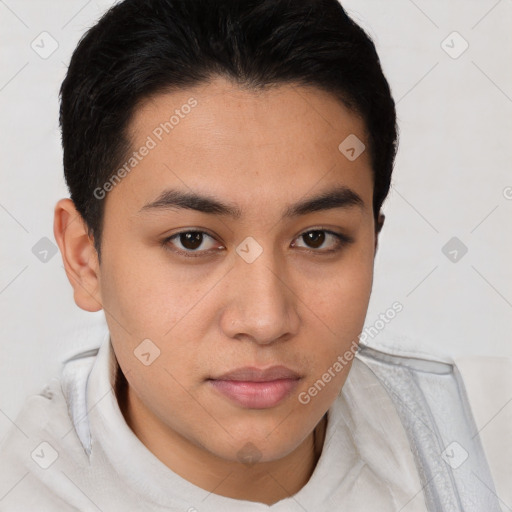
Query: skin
x=214, y=313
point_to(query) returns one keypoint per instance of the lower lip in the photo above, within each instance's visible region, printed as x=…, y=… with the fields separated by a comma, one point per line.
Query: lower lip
x=256, y=395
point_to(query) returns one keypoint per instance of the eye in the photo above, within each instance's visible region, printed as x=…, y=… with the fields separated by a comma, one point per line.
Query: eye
x=317, y=237
x=191, y=242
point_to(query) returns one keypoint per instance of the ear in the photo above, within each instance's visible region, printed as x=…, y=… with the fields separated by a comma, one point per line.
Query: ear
x=78, y=255
x=378, y=227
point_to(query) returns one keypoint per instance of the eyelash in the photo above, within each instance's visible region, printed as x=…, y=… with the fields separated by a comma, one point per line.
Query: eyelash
x=342, y=241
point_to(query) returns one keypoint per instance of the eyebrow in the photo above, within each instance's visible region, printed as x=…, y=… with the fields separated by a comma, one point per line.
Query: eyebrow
x=337, y=197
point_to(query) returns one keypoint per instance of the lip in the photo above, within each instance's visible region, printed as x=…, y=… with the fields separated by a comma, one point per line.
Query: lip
x=255, y=388
x=253, y=374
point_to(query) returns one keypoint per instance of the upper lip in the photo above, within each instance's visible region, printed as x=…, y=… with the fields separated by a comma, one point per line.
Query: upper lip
x=253, y=374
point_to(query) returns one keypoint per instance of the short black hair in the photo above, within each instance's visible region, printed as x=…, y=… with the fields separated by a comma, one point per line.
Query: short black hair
x=140, y=48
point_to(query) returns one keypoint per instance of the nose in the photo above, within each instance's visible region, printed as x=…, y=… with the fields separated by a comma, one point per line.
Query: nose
x=262, y=303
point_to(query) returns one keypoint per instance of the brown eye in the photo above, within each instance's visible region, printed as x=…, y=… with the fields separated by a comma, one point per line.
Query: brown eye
x=189, y=243
x=314, y=238
x=191, y=239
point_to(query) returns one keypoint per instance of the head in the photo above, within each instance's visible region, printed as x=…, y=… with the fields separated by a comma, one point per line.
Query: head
x=227, y=162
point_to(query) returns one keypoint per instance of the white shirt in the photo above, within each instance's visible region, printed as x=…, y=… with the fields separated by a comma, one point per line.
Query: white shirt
x=71, y=449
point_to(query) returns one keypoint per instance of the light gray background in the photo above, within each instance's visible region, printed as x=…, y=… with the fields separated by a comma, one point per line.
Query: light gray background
x=452, y=178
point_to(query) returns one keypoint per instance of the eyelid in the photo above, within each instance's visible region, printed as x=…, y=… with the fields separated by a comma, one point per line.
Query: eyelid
x=341, y=240
x=189, y=253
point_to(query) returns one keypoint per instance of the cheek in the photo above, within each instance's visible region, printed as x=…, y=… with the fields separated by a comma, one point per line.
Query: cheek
x=341, y=296
x=146, y=296
x=148, y=300
x=338, y=310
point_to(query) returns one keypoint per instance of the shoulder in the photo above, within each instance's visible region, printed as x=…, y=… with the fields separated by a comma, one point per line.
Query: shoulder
x=488, y=382
x=483, y=383
x=42, y=436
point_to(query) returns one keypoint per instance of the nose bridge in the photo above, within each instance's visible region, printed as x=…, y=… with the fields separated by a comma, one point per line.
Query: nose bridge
x=261, y=305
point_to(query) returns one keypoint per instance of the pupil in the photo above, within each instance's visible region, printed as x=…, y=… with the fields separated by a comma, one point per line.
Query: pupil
x=191, y=240
x=316, y=237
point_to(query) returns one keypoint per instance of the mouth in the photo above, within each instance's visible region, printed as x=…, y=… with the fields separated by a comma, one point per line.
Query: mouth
x=254, y=388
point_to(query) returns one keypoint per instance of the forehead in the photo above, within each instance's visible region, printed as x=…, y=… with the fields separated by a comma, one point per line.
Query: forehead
x=220, y=138
x=225, y=107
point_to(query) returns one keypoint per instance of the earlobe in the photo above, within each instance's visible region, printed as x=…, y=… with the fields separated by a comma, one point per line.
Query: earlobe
x=78, y=255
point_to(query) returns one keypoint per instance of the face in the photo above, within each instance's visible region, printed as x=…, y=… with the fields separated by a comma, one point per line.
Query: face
x=254, y=282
